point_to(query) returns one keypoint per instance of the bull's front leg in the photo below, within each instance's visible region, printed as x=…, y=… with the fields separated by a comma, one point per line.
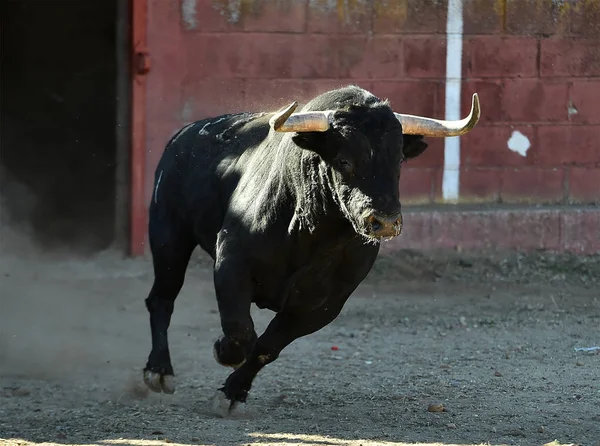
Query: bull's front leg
x=285, y=327
x=234, y=288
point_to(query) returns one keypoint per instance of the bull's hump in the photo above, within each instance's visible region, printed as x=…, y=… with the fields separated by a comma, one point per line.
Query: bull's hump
x=218, y=126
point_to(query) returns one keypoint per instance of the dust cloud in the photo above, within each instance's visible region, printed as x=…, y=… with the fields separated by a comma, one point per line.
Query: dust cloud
x=61, y=309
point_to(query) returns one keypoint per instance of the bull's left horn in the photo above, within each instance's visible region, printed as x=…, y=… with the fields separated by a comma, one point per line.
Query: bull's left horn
x=288, y=121
x=418, y=125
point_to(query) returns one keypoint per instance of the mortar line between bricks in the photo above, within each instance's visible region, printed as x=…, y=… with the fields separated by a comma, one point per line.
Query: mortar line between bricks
x=410, y=35
x=490, y=208
x=376, y=80
x=418, y=35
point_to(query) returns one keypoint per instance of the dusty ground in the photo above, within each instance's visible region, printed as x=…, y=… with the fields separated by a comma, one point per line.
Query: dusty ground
x=492, y=340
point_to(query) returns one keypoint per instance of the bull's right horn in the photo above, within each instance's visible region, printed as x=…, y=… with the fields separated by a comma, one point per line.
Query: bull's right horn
x=286, y=120
x=418, y=125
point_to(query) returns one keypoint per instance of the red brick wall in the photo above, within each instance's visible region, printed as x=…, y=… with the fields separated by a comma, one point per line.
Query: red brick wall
x=534, y=63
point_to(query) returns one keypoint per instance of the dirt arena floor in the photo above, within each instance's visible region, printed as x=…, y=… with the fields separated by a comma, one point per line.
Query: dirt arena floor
x=491, y=339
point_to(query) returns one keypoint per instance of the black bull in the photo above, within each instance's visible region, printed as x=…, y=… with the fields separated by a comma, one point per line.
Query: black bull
x=291, y=207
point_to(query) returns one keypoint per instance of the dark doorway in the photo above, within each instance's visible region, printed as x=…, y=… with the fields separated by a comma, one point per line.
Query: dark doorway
x=62, y=130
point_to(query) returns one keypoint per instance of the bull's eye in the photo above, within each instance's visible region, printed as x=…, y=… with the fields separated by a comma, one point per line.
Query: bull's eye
x=344, y=165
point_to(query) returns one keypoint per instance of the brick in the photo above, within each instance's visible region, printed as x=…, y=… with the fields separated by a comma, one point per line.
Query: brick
x=164, y=90
x=319, y=86
x=272, y=94
x=585, y=98
x=425, y=57
x=161, y=86
x=268, y=16
x=494, y=56
x=331, y=17
x=567, y=145
x=465, y=230
x=212, y=56
x=256, y=15
x=489, y=92
x=531, y=100
x=579, y=231
x=409, y=16
x=211, y=97
x=479, y=185
x=532, y=185
x=481, y=230
x=569, y=57
x=416, y=233
x=313, y=56
x=554, y=149
x=486, y=146
x=483, y=17
x=265, y=56
x=416, y=185
x=537, y=17
x=257, y=55
x=585, y=145
x=584, y=185
x=585, y=19
x=160, y=89
x=352, y=56
x=556, y=230
x=536, y=230
x=161, y=16
x=385, y=57
x=410, y=97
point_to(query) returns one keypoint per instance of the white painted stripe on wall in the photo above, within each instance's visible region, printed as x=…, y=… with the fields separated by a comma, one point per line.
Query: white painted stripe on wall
x=454, y=38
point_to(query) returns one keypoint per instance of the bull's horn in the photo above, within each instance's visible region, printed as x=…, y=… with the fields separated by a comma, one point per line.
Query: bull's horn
x=286, y=120
x=279, y=118
x=418, y=125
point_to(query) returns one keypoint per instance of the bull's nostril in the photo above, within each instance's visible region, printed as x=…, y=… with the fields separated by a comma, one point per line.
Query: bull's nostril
x=381, y=225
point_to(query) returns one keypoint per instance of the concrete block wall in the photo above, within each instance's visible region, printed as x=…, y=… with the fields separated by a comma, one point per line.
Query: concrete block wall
x=534, y=63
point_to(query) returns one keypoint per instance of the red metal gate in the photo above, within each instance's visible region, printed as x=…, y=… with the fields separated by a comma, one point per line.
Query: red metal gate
x=140, y=67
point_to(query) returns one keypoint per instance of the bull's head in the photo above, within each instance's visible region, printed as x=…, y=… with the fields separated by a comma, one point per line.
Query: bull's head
x=362, y=144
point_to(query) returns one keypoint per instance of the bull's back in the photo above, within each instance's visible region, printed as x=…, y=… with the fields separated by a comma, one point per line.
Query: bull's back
x=197, y=172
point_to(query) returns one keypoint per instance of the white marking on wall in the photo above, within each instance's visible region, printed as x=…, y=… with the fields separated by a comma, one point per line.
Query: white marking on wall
x=234, y=8
x=519, y=143
x=188, y=13
x=156, y=187
x=454, y=38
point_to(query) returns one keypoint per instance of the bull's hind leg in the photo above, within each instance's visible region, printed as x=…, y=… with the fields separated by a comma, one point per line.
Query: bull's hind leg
x=285, y=327
x=171, y=251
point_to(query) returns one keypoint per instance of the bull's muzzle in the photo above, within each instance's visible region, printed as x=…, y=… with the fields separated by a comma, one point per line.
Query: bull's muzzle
x=383, y=226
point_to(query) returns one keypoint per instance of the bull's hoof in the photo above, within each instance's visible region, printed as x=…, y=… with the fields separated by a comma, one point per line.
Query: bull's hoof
x=158, y=382
x=223, y=407
x=228, y=353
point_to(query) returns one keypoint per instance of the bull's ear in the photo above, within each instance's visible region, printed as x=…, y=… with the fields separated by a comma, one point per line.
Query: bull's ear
x=314, y=141
x=413, y=146
x=304, y=140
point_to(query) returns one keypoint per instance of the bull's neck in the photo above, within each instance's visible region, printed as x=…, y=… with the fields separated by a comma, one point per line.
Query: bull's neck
x=310, y=188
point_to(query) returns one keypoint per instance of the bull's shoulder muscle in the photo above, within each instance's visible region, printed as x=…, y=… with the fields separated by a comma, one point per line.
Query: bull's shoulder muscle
x=219, y=131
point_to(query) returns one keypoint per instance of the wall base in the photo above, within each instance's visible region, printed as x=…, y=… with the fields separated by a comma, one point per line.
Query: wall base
x=558, y=228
